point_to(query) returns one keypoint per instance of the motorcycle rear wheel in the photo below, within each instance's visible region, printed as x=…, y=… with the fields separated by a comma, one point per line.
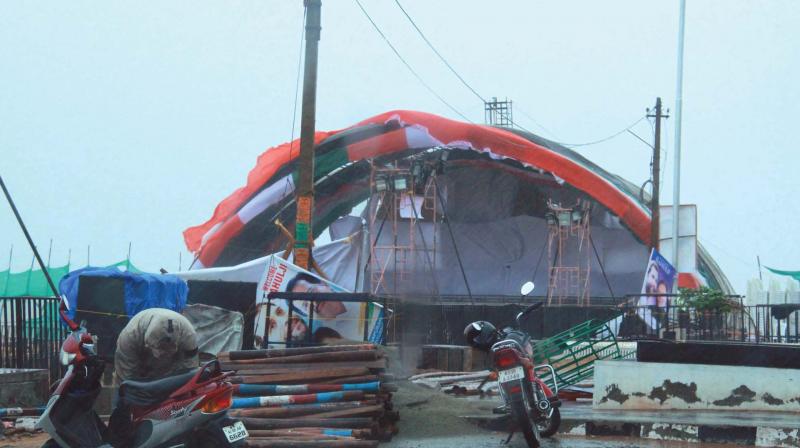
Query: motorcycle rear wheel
x=521, y=414
x=549, y=426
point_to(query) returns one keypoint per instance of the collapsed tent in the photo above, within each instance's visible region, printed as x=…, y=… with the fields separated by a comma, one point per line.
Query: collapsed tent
x=488, y=241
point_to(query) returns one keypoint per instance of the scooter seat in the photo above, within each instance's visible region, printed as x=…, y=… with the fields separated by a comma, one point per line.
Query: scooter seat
x=148, y=393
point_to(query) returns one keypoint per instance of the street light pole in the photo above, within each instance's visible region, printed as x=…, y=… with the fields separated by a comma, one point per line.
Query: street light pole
x=676, y=192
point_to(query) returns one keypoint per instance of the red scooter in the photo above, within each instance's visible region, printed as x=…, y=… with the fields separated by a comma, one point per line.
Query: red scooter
x=188, y=410
x=530, y=402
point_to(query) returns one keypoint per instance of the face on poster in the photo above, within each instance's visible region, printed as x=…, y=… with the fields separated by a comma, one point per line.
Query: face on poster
x=659, y=279
x=333, y=319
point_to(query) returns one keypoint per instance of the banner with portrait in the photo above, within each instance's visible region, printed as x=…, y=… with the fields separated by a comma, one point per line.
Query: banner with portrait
x=659, y=278
x=353, y=321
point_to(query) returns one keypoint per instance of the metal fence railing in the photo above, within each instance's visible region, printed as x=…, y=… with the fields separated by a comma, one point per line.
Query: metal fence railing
x=756, y=324
x=443, y=323
x=31, y=333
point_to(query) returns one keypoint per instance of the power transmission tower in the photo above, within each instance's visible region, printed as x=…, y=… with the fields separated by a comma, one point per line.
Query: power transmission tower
x=654, y=201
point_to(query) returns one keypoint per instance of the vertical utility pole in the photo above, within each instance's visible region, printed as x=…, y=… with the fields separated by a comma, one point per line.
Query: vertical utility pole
x=655, y=214
x=305, y=189
x=676, y=192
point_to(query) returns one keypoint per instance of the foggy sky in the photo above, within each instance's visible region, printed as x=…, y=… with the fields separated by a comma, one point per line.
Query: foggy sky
x=130, y=121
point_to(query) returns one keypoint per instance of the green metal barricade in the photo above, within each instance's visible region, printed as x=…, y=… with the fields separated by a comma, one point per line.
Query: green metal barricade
x=573, y=352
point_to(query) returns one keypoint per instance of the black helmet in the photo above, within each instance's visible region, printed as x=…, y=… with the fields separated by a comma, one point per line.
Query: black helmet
x=481, y=334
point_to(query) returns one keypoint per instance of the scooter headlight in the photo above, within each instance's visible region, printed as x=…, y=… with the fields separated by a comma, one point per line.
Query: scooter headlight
x=66, y=358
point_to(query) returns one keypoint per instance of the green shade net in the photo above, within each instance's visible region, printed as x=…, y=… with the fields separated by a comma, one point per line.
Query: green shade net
x=34, y=283
x=793, y=274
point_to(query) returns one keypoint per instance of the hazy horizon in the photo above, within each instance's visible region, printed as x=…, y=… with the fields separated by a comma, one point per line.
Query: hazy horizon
x=129, y=123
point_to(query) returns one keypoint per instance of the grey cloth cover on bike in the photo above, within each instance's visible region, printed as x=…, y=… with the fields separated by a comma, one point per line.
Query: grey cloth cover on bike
x=155, y=344
x=148, y=393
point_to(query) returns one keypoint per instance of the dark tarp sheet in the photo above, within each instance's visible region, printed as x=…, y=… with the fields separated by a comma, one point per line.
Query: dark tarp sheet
x=142, y=291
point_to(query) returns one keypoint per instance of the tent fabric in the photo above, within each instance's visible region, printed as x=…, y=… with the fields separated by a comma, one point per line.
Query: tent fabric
x=242, y=226
x=142, y=291
x=794, y=274
x=335, y=259
x=29, y=283
x=395, y=132
x=218, y=330
x=33, y=282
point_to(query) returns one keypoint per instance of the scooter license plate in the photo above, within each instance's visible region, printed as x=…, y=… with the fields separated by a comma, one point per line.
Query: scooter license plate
x=517, y=373
x=235, y=432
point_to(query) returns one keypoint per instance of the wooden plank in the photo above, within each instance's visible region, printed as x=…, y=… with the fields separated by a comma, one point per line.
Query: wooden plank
x=280, y=352
x=281, y=423
x=362, y=355
x=375, y=411
x=266, y=369
x=329, y=376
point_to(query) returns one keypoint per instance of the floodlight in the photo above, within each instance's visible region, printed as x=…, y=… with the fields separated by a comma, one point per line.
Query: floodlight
x=400, y=184
x=564, y=218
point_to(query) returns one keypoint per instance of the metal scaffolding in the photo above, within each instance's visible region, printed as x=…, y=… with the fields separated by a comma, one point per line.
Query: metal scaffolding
x=569, y=253
x=402, y=197
x=499, y=113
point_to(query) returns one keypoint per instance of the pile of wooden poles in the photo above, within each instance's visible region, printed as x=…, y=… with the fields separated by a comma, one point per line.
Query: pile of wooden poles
x=328, y=396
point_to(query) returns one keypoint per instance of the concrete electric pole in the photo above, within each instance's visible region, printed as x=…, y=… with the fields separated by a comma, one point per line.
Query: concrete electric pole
x=655, y=214
x=304, y=237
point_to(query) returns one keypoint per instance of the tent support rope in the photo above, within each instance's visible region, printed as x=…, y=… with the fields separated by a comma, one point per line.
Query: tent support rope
x=453, y=238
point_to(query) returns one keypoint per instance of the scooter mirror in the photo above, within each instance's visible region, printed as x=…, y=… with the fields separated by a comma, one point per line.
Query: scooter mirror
x=527, y=288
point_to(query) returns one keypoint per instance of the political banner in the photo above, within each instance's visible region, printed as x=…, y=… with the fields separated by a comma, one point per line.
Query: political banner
x=659, y=278
x=354, y=321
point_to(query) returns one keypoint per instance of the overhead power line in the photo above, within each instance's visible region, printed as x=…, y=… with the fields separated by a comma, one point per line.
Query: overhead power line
x=430, y=45
x=605, y=139
x=458, y=75
x=468, y=86
x=408, y=66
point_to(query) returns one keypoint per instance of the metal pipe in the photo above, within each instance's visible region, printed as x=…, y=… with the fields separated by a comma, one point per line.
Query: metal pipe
x=676, y=187
x=28, y=237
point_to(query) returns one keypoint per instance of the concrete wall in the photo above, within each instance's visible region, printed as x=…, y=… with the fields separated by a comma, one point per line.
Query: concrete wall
x=657, y=386
x=23, y=388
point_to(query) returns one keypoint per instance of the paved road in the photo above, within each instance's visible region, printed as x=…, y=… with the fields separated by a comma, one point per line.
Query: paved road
x=493, y=440
x=431, y=419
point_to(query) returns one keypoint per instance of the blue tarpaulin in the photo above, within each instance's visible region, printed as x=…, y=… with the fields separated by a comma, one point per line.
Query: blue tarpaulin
x=142, y=291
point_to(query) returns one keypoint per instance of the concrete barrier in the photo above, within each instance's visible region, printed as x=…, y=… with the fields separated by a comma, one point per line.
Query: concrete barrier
x=629, y=385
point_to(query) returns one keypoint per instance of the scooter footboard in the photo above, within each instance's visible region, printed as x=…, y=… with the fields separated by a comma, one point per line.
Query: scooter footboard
x=71, y=420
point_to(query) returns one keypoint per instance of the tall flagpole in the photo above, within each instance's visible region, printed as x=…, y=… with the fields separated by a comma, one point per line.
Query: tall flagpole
x=676, y=192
